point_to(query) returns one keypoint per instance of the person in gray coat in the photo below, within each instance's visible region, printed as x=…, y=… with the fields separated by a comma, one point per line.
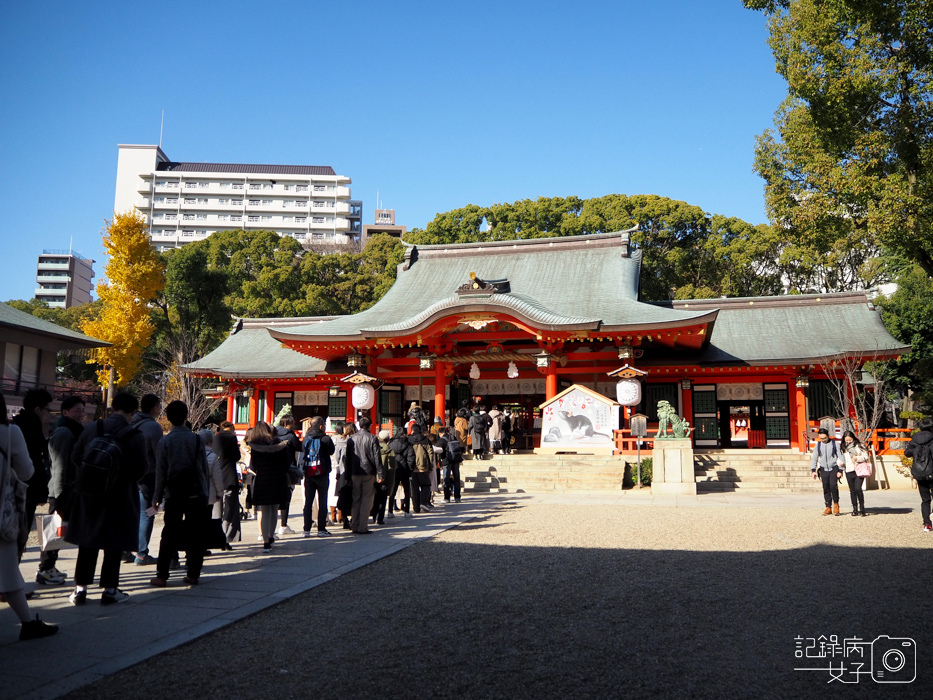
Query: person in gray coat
x=111, y=522
x=365, y=467
x=146, y=421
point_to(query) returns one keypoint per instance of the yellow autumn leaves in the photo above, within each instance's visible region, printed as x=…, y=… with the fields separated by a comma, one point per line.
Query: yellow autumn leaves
x=135, y=275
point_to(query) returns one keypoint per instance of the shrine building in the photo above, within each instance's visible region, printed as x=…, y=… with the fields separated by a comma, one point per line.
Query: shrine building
x=514, y=323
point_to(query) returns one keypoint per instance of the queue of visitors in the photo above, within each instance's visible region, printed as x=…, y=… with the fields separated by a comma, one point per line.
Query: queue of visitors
x=108, y=479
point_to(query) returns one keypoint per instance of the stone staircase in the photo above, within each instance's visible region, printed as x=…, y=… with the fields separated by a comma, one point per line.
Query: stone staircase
x=715, y=470
x=531, y=473
x=753, y=470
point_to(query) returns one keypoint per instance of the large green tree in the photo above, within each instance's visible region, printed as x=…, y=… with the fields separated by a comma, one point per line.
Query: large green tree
x=908, y=315
x=848, y=168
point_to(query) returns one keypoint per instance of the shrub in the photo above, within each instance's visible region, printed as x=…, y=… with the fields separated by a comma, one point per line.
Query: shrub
x=631, y=472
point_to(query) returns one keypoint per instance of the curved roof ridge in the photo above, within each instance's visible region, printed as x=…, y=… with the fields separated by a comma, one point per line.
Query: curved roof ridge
x=621, y=236
x=531, y=308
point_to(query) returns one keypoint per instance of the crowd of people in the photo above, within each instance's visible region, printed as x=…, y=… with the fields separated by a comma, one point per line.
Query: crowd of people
x=108, y=479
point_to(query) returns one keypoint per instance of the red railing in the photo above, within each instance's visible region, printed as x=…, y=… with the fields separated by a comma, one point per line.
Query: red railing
x=626, y=444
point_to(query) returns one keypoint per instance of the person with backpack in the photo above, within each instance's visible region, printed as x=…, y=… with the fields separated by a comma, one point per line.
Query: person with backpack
x=421, y=472
x=316, y=451
x=853, y=460
x=109, y=458
x=920, y=449
x=824, y=465
x=452, y=471
x=182, y=483
x=404, y=461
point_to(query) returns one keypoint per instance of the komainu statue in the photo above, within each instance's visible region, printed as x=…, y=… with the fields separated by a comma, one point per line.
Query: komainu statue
x=667, y=417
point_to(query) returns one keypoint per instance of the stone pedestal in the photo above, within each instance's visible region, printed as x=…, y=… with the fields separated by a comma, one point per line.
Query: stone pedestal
x=673, y=468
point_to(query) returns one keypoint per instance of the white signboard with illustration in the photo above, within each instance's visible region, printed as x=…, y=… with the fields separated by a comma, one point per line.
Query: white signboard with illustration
x=578, y=420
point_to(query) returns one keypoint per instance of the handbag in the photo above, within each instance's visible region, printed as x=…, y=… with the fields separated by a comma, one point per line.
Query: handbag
x=51, y=529
x=863, y=469
x=12, y=496
x=294, y=475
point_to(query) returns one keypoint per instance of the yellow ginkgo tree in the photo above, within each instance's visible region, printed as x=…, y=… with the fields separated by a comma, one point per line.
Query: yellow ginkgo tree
x=135, y=275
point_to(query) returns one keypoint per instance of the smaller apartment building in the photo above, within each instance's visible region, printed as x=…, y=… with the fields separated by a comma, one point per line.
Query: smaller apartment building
x=184, y=202
x=64, y=278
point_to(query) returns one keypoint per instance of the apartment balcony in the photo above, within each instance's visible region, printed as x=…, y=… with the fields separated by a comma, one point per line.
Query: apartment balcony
x=49, y=279
x=343, y=207
x=343, y=192
x=342, y=224
x=52, y=266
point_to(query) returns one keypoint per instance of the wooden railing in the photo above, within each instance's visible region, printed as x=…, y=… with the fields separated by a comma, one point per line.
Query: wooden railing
x=626, y=444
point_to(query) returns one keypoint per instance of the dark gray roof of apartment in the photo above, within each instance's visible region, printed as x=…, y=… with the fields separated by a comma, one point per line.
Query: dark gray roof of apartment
x=246, y=168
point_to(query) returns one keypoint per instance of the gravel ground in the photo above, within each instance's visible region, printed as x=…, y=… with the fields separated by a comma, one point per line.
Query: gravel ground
x=539, y=601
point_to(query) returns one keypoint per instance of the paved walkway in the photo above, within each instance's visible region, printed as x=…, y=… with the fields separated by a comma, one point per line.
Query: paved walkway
x=95, y=642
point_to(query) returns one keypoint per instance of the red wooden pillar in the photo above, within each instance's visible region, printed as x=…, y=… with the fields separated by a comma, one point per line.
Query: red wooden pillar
x=551, y=381
x=253, y=407
x=231, y=406
x=440, y=406
x=686, y=399
x=798, y=417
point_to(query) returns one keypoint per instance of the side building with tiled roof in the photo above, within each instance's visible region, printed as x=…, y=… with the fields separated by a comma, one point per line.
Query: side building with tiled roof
x=29, y=347
x=187, y=201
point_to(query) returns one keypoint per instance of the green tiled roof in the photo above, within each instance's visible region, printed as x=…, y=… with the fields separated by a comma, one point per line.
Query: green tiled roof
x=793, y=329
x=69, y=339
x=252, y=352
x=568, y=283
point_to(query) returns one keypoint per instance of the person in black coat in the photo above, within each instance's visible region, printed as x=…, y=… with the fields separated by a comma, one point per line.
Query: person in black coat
x=111, y=522
x=404, y=462
x=269, y=462
x=33, y=422
x=227, y=448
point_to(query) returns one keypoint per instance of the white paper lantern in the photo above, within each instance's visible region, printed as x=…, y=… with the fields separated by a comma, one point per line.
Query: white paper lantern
x=363, y=396
x=474, y=371
x=512, y=372
x=628, y=392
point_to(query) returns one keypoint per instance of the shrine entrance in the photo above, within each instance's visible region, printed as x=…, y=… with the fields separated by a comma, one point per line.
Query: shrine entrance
x=741, y=424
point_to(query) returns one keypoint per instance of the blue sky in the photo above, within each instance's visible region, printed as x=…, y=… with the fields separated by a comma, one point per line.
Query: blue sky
x=433, y=105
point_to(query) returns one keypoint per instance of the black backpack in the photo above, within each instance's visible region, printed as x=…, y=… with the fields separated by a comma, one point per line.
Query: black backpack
x=96, y=473
x=454, y=450
x=922, y=467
